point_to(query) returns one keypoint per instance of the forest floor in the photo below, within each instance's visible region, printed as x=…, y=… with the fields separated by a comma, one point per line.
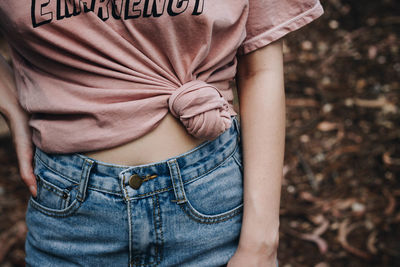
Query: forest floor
x=341, y=189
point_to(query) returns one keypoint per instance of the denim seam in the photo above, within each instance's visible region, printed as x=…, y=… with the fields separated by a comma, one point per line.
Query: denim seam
x=126, y=197
x=157, y=253
x=143, y=264
x=61, y=213
x=182, y=188
x=212, y=169
x=98, y=189
x=75, y=182
x=172, y=175
x=85, y=176
x=161, y=229
x=237, y=161
x=180, y=182
x=133, y=263
x=207, y=220
x=128, y=207
x=67, y=200
x=156, y=232
x=49, y=187
x=56, y=172
x=150, y=193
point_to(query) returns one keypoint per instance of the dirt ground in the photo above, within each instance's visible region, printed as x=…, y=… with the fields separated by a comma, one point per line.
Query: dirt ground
x=341, y=188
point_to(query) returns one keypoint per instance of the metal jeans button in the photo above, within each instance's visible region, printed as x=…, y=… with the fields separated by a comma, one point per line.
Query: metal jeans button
x=135, y=181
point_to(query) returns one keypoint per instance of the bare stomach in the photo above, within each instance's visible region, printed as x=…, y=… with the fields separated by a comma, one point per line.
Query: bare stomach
x=168, y=139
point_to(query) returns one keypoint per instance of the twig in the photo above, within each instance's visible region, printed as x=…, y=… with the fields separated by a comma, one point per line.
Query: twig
x=309, y=172
x=344, y=230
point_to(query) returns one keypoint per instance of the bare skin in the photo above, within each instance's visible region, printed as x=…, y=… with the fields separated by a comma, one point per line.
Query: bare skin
x=261, y=92
x=262, y=112
x=168, y=139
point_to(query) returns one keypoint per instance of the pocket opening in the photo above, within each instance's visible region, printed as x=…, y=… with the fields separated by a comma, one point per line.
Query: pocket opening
x=57, y=196
x=209, y=199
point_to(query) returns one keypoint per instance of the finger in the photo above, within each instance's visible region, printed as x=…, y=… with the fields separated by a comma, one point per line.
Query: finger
x=25, y=161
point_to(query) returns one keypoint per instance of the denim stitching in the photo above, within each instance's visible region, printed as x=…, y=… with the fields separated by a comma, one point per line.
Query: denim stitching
x=119, y=193
x=126, y=197
x=189, y=210
x=159, y=238
x=98, y=189
x=173, y=180
x=182, y=188
x=85, y=175
x=160, y=225
x=62, y=213
x=157, y=254
x=133, y=263
x=56, y=172
x=155, y=230
x=69, y=179
x=128, y=206
x=66, y=202
x=239, y=163
x=206, y=220
x=151, y=193
x=49, y=187
x=212, y=217
x=212, y=169
x=157, y=261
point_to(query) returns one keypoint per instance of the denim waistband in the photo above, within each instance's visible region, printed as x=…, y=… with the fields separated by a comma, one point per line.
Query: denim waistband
x=113, y=178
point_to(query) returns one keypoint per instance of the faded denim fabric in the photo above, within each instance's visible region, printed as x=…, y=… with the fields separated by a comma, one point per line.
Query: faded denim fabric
x=184, y=211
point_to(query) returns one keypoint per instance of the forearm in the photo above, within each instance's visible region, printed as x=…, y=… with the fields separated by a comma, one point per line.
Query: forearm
x=262, y=113
x=8, y=92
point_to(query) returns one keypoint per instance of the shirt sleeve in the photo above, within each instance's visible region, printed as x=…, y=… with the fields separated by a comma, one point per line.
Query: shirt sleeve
x=269, y=20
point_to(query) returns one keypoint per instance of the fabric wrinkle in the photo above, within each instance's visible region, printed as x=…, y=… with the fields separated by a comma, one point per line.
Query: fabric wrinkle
x=201, y=108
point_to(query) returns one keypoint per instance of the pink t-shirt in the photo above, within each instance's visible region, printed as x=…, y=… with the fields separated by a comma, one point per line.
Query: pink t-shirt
x=97, y=74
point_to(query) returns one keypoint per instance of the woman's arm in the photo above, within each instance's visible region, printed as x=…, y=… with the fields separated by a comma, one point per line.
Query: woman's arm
x=8, y=91
x=262, y=116
x=17, y=120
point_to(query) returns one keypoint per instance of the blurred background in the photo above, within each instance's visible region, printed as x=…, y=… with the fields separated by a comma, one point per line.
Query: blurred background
x=341, y=183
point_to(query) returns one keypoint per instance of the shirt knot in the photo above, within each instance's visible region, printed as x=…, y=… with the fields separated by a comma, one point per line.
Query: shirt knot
x=201, y=108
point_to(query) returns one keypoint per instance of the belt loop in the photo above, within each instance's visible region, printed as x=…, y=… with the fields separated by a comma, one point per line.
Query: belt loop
x=87, y=166
x=180, y=196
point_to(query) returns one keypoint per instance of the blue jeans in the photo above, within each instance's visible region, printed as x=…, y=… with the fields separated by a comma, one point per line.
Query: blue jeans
x=183, y=211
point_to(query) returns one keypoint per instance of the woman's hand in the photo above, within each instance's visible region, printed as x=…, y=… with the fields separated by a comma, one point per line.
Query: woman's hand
x=22, y=140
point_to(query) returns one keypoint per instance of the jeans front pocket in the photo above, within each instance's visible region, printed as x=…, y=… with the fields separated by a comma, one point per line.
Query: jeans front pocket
x=57, y=195
x=214, y=196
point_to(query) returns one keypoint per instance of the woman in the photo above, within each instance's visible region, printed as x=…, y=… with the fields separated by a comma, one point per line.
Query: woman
x=122, y=118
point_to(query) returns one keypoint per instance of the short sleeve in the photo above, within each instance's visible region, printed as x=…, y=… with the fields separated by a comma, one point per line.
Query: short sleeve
x=269, y=20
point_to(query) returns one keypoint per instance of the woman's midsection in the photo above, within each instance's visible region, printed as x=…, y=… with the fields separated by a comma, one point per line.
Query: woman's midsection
x=168, y=139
